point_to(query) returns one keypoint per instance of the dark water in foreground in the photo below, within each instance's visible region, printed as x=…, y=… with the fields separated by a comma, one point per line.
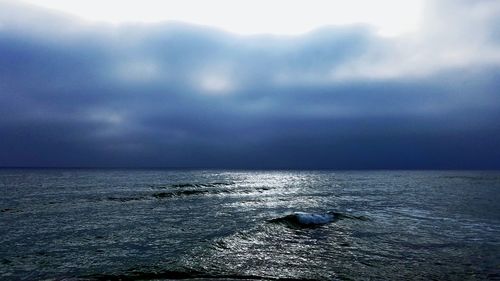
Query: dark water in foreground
x=111, y=224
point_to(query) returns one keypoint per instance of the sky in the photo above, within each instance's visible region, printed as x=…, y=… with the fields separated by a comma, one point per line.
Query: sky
x=250, y=84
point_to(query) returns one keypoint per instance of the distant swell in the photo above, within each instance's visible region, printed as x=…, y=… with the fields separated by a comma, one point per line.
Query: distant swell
x=194, y=185
x=124, y=199
x=180, y=193
x=180, y=275
x=188, y=189
x=202, y=190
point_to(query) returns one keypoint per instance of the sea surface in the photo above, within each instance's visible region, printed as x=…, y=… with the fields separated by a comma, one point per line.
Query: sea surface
x=249, y=225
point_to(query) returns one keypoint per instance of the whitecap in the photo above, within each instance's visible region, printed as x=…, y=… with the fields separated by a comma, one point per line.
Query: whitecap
x=313, y=219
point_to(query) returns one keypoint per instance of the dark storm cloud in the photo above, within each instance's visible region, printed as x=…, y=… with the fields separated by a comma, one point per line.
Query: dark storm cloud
x=175, y=95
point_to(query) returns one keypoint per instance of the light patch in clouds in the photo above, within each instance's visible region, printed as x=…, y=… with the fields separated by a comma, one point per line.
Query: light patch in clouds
x=389, y=17
x=108, y=123
x=215, y=84
x=139, y=71
x=106, y=117
x=215, y=79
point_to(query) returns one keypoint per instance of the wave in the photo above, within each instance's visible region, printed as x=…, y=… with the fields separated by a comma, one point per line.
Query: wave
x=310, y=220
x=194, y=185
x=185, y=190
x=180, y=193
x=180, y=275
x=8, y=210
x=480, y=177
x=124, y=199
x=213, y=191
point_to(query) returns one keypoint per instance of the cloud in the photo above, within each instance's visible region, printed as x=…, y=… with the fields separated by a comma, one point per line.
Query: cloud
x=295, y=17
x=453, y=34
x=179, y=95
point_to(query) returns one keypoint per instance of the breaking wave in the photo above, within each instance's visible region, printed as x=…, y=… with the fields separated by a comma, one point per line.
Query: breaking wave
x=304, y=220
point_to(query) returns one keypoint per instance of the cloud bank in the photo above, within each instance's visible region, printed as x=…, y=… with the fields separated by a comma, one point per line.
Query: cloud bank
x=75, y=94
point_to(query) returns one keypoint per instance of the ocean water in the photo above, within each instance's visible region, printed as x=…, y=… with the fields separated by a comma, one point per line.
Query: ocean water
x=249, y=225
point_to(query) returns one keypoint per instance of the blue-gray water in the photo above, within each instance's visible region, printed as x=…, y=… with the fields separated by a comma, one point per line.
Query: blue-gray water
x=154, y=224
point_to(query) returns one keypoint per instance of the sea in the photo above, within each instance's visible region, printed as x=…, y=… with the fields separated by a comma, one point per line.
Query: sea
x=112, y=224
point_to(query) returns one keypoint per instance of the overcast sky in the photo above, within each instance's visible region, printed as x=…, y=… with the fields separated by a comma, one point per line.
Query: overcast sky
x=394, y=88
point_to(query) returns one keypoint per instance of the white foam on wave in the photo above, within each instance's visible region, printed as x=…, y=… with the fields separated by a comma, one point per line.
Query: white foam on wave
x=308, y=218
